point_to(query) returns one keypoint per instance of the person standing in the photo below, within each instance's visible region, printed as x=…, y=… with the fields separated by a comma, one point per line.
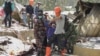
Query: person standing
x=24, y=16
x=36, y=9
x=50, y=27
x=8, y=9
x=30, y=12
x=58, y=34
x=40, y=33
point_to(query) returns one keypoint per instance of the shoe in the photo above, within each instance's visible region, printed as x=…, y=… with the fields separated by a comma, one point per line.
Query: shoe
x=48, y=51
x=63, y=52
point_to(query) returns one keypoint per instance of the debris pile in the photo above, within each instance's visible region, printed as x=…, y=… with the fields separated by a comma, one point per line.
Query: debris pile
x=87, y=19
x=89, y=42
x=11, y=45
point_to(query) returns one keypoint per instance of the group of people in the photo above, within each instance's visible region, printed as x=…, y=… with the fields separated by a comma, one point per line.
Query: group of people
x=59, y=33
x=47, y=29
x=27, y=13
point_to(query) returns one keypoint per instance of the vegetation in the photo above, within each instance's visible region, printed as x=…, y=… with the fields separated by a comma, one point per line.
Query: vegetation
x=50, y=4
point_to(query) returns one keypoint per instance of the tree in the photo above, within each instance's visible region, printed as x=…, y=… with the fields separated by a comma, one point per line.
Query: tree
x=50, y=4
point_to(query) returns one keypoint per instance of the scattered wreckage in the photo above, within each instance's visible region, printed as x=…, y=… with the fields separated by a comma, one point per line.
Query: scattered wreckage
x=87, y=20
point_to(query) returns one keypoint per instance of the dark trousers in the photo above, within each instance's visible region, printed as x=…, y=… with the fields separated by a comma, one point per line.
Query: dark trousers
x=7, y=19
x=59, y=39
x=30, y=21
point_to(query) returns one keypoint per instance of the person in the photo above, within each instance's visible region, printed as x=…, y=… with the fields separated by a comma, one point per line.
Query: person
x=40, y=33
x=58, y=34
x=24, y=16
x=8, y=9
x=37, y=8
x=30, y=12
x=50, y=27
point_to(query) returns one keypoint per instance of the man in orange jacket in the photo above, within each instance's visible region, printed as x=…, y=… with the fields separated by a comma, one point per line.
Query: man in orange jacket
x=58, y=34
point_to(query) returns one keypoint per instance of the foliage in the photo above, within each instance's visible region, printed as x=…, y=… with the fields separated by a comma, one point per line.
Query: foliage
x=50, y=4
x=71, y=33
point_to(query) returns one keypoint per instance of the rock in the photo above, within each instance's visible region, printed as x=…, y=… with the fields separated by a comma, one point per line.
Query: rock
x=17, y=31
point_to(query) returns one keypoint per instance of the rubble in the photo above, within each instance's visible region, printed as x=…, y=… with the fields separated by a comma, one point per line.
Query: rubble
x=88, y=28
x=17, y=31
x=90, y=42
x=16, y=46
x=87, y=19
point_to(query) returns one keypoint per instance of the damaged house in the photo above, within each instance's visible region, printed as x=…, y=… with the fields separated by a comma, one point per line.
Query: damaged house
x=88, y=19
x=88, y=28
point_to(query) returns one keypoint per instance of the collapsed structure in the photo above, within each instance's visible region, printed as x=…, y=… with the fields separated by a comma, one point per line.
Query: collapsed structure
x=88, y=19
x=88, y=28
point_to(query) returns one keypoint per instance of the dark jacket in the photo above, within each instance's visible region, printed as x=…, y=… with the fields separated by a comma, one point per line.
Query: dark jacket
x=49, y=29
x=36, y=10
x=29, y=9
x=8, y=7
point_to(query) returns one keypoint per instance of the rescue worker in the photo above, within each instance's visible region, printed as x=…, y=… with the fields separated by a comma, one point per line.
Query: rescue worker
x=58, y=34
x=40, y=33
x=30, y=12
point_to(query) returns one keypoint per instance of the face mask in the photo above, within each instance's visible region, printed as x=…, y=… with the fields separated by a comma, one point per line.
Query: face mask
x=40, y=17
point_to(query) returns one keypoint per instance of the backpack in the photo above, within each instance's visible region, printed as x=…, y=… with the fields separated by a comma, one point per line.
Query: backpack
x=66, y=24
x=29, y=9
x=7, y=7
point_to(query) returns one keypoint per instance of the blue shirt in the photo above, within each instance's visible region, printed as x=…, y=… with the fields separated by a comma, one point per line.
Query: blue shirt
x=50, y=30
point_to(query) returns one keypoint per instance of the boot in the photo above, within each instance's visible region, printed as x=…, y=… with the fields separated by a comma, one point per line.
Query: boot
x=63, y=52
x=48, y=51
